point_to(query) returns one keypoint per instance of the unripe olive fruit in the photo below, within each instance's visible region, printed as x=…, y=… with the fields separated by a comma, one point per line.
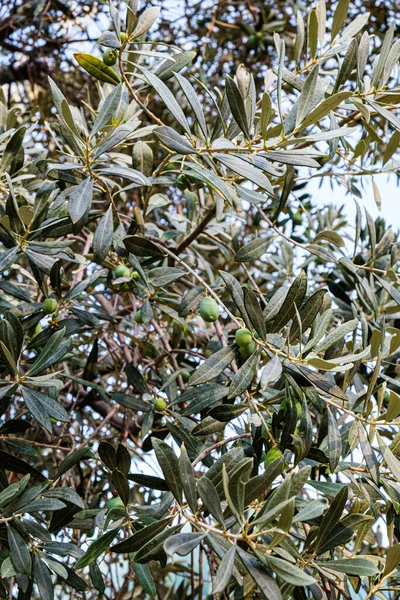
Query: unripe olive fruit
x=121, y=271
x=243, y=337
x=297, y=218
x=185, y=375
x=182, y=182
x=209, y=310
x=34, y=331
x=299, y=409
x=138, y=317
x=115, y=502
x=135, y=275
x=109, y=57
x=160, y=404
x=272, y=455
x=123, y=37
x=252, y=42
x=246, y=351
x=49, y=306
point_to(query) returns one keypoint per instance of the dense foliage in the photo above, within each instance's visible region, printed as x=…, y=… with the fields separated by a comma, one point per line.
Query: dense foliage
x=198, y=365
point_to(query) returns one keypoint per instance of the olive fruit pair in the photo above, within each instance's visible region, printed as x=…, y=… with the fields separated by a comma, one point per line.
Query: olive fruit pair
x=209, y=310
x=244, y=340
x=49, y=306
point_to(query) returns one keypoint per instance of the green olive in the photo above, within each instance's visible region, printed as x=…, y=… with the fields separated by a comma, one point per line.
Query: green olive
x=109, y=57
x=246, y=351
x=138, y=317
x=123, y=37
x=297, y=218
x=135, y=275
x=252, y=42
x=209, y=310
x=121, y=271
x=160, y=404
x=243, y=337
x=49, y=306
x=125, y=286
x=182, y=182
x=185, y=375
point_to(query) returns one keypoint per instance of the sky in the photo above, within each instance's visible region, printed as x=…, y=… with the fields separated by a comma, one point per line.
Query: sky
x=389, y=192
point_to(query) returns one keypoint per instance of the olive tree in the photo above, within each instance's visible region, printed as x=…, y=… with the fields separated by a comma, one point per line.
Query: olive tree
x=198, y=380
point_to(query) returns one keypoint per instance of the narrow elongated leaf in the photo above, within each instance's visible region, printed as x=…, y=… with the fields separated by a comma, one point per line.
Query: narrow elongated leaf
x=103, y=236
x=163, y=276
x=265, y=583
x=392, y=559
x=96, y=549
x=80, y=200
x=167, y=97
x=46, y=355
x=337, y=334
x=289, y=572
x=169, y=464
x=43, y=579
x=225, y=571
x=237, y=106
x=72, y=459
x=324, y=108
x=253, y=250
x=213, y=366
x=254, y=312
x=307, y=94
x=141, y=537
x=348, y=64
x=244, y=376
x=332, y=516
x=146, y=20
x=312, y=510
x=246, y=170
x=44, y=408
x=368, y=453
x=19, y=552
x=210, y=498
x=307, y=314
x=154, y=548
x=173, y=140
x=140, y=246
x=108, y=110
x=145, y=578
x=386, y=114
x=294, y=298
x=194, y=102
x=392, y=462
x=334, y=441
x=339, y=17
x=97, y=68
x=188, y=479
x=362, y=567
x=183, y=543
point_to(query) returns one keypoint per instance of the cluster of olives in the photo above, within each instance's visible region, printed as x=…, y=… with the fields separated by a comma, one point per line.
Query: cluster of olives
x=244, y=340
x=124, y=271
